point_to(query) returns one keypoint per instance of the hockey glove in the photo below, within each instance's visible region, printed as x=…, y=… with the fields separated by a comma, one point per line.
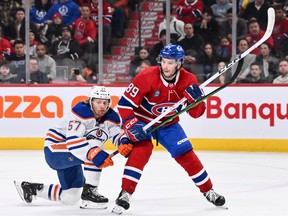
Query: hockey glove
x=134, y=130
x=193, y=93
x=125, y=147
x=99, y=157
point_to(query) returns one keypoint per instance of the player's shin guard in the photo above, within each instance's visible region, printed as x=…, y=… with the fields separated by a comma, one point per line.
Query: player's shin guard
x=135, y=164
x=191, y=163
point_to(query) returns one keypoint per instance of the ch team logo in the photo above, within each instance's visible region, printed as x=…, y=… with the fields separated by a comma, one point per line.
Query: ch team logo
x=161, y=108
x=97, y=134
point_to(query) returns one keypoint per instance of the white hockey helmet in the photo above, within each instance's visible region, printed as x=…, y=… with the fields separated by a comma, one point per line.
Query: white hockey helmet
x=99, y=92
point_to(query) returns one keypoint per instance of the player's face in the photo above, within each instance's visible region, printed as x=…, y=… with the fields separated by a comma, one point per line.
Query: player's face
x=169, y=67
x=100, y=106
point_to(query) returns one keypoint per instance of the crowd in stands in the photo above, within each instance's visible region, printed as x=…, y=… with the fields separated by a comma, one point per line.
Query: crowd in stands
x=64, y=34
x=204, y=30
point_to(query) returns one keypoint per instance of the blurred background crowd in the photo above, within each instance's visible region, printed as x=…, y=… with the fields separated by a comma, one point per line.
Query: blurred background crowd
x=63, y=39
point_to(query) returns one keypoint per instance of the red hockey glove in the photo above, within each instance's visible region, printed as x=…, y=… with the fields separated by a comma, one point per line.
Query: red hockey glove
x=99, y=157
x=193, y=93
x=125, y=147
x=134, y=130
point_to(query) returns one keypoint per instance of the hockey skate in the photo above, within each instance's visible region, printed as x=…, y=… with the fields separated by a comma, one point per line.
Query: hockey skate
x=122, y=202
x=27, y=190
x=91, y=199
x=214, y=198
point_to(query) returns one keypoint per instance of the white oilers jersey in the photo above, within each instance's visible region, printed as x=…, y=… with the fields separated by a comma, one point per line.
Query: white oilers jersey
x=80, y=131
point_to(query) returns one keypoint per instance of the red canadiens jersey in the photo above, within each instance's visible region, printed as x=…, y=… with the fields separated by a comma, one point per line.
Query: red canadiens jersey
x=255, y=39
x=5, y=48
x=83, y=29
x=280, y=29
x=107, y=13
x=189, y=13
x=148, y=95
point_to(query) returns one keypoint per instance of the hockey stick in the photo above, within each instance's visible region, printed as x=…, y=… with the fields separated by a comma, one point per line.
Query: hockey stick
x=269, y=29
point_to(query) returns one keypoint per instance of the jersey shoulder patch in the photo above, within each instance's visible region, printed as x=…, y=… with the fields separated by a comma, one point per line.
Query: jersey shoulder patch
x=82, y=110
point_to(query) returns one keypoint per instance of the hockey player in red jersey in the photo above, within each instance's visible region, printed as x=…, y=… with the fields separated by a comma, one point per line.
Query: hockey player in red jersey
x=78, y=141
x=150, y=93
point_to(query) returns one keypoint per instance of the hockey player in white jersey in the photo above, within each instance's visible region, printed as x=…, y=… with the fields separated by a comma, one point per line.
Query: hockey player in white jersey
x=78, y=141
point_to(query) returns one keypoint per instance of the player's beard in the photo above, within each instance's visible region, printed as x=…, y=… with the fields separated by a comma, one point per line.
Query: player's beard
x=171, y=77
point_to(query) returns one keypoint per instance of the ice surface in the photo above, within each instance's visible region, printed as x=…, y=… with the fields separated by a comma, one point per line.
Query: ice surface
x=254, y=184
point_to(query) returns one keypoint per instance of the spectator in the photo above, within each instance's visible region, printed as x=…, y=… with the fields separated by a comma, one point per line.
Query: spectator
x=189, y=11
x=268, y=62
x=5, y=47
x=192, y=41
x=220, y=9
x=224, y=50
x=33, y=43
x=208, y=27
x=143, y=54
x=280, y=32
x=226, y=27
x=13, y=33
x=155, y=51
x=66, y=51
x=17, y=59
x=283, y=69
x=68, y=9
x=119, y=16
x=5, y=76
x=255, y=75
x=243, y=45
x=39, y=11
x=257, y=10
x=85, y=30
x=107, y=18
x=53, y=32
x=176, y=26
x=255, y=34
x=66, y=47
x=209, y=62
x=46, y=64
x=221, y=78
x=143, y=64
x=36, y=76
x=8, y=11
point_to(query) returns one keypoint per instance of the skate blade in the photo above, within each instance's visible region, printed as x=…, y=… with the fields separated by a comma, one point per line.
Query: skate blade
x=92, y=205
x=118, y=210
x=222, y=207
x=19, y=189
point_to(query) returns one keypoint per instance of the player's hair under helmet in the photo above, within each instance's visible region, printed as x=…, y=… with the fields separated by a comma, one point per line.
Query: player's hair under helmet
x=99, y=92
x=172, y=51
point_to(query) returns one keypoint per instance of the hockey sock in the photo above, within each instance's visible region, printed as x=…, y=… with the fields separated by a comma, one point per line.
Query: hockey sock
x=51, y=192
x=92, y=174
x=135, y=164
x=191, y=163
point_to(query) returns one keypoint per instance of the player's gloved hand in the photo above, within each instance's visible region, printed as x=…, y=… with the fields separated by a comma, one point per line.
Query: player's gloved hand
x=196, y=13
x=125, y=147
x=193, y=93
x=99, y=157
x=134, y=130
